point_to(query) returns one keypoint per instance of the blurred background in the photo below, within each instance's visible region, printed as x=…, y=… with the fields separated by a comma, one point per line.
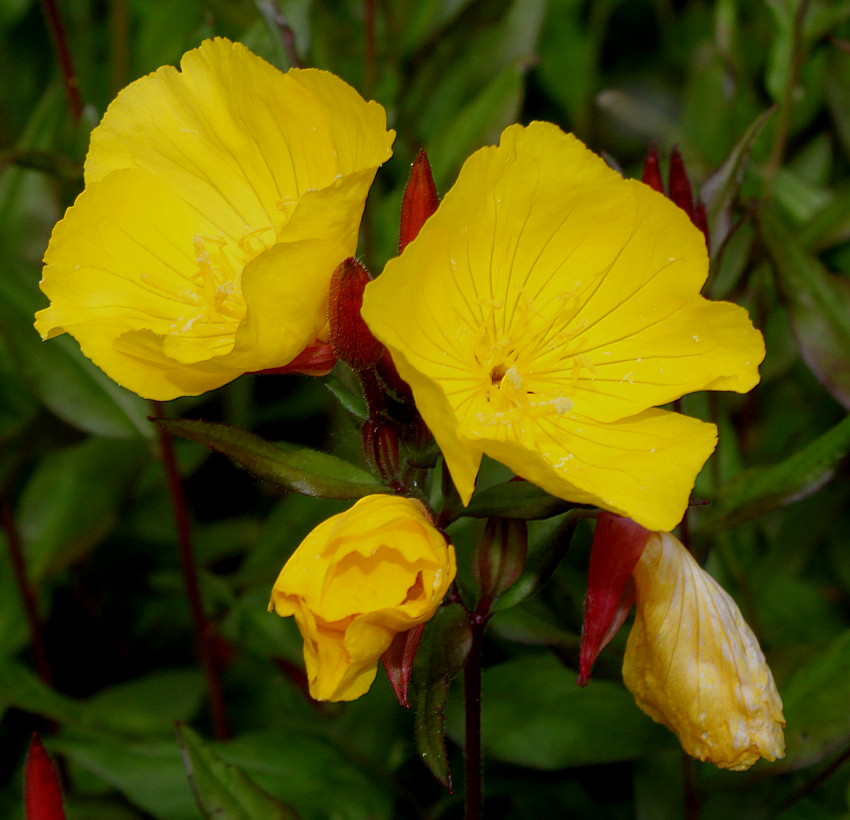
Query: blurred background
x=755, y=94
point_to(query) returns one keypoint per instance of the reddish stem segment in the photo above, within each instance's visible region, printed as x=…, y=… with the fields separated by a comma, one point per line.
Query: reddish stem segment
x=203, y=627
x=36, y=628
x=473, y=760
x=63, y=54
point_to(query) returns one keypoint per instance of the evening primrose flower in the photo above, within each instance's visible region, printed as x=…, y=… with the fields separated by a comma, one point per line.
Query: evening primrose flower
x=692, y=663
x=218, y=201
x=545, y=311
x=355, y=582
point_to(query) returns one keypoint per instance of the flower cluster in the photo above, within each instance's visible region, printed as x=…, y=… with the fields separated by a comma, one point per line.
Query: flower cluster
x=541, y=314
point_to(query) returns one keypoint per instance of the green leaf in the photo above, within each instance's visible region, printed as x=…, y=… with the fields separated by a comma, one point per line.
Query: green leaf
x=819, y=305
x=478, y=123
x=318, y=776
x=59, y=516
x=354, y=403
x=720, y=191
x=562, y=724
x=297, y=468
x=148, y=773
x=514, y=499
x=816, y=711
x=441, y=656
x=760, y=489
x=222, y=790
x=65, y=381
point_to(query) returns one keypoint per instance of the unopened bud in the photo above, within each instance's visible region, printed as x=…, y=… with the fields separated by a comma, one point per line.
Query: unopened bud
x=419, y=202
x=652, y=170
x=350, y=337
x=380, y=443
x=500, y=556
x=42, y=793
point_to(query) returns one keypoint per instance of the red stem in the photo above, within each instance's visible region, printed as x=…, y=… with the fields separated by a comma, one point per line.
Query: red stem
x=473, y=760
x=370, y=68
x=63, y=54
x=203, y=628
x=36, y=627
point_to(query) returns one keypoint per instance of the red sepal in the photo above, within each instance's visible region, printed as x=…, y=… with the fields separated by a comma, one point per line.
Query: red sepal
x=617, y=546
x=317, y=359
x=419, y=202
x=351, y=339
x=42, y=793
x=398, y=661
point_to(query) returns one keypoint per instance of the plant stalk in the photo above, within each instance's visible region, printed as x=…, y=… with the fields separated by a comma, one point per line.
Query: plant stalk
x=63, y=54
x=204, y=633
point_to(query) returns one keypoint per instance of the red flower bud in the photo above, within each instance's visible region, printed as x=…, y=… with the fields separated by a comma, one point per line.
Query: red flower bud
x=350, y=337
x=398, y=661
x=680, y=186
x=42, y=793
x=419, y=202
x=617, y=546
x=652, y=170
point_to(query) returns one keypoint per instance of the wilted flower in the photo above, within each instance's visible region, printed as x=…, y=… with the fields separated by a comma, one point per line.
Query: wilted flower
x=692, y=663
x=356, y=581
x=218, y=201
x=544, y=312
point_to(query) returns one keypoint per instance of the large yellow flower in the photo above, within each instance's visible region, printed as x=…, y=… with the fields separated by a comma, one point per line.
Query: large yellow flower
x=545, y=311
x=355, y=582
x=218, y=201
x=694, y=665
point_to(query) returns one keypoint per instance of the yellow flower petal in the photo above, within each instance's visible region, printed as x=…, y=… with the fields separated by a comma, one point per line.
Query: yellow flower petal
x=357, y=580
x=219, y=200
x=694, y=665
x=646, y=463
x=548, y=295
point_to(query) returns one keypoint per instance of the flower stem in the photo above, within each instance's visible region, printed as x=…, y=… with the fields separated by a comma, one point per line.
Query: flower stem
x=63, y=53
x=36, y=627
x=203, y=628
x=473, y=762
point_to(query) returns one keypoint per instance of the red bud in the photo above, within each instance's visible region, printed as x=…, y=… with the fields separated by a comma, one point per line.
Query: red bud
x=351, y=339
x=419, y=202
x=680, y=186
x=617, y=546
x=398, y=661
x=652, y=170
x=42, y=793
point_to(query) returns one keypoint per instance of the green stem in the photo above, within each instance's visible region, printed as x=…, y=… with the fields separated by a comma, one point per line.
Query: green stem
x=783, y=120
x=203, y=628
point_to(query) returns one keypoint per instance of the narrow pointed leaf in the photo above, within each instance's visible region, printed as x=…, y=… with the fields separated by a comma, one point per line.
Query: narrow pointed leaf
x=297, y=468
x=760, y=489
x=720, y=190
x=819, y=304
x=223, y=791
x=514, y=499
x=441, y=656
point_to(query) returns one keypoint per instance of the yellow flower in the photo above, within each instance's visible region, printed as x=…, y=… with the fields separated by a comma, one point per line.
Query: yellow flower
x=357, y=580
x=694, y=665
x=544, y=312
x=218, y=201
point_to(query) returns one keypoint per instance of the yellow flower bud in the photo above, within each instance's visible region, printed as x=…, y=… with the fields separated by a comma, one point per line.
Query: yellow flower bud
x=356, y=581
x=694, y=665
